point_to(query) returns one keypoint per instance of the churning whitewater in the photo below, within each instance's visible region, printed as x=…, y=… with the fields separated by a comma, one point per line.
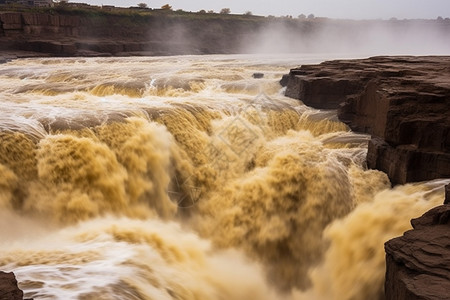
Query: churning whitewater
x=187, y=178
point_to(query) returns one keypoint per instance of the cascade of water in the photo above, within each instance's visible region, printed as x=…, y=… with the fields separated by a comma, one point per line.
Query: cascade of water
x=138, y=178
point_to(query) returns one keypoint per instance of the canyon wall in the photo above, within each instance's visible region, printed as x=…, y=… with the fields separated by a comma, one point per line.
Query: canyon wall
x=83, y=34
x=403, y=102
x=94, y=31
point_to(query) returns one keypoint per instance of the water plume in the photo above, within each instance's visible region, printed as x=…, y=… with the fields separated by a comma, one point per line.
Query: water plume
x=363, y=37
x=354, y=264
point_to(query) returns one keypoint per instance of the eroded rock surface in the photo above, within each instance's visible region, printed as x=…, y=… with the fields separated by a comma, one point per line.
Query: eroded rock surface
x=8, y=287
x=403, y=102
x=418, y=263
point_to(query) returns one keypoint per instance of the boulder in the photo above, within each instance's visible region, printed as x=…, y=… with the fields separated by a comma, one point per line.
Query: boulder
x=418, y=263
x=8, y=287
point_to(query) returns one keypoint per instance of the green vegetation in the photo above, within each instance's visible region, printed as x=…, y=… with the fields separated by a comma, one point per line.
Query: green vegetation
x=141, y=13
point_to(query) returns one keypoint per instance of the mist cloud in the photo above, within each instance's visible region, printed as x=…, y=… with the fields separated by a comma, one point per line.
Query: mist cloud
x=393, y=37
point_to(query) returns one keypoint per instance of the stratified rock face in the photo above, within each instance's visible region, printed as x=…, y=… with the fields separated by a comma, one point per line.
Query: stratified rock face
x=117, y=35
x=404, y=102
x=418, y=263
x=8, y=287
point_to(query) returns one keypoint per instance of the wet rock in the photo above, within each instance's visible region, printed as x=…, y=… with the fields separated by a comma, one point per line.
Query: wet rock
x=403, y=102
x=8, y=287
x=447, y=194
x=320, y=89
x=284, y=80
x=407, y=163
x=418, y=263
x=258, y=75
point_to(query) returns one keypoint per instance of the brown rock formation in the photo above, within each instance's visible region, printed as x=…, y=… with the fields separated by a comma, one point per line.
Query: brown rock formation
x=403, y=102
x=418, y=263
x=8, y=287
x=447, y=194
x=100, y=34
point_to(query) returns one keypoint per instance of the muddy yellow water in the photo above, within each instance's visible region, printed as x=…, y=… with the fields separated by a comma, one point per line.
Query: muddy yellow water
x=187, y=178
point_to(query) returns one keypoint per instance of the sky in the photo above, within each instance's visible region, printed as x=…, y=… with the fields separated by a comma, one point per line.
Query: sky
x=340, y=9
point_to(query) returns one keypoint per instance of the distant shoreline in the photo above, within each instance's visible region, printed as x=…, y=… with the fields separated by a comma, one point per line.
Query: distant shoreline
x=87, y=32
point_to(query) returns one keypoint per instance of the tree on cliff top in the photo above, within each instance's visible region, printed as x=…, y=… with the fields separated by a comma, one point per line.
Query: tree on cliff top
x=225, y=11
x=166, y=7
x=142, y=5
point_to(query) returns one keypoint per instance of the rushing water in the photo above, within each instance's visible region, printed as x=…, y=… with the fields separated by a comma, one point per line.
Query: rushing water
x=186, y=178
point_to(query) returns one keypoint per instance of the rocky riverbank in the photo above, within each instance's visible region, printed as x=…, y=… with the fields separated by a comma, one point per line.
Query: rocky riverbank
x=403, y=102
x=417, y=263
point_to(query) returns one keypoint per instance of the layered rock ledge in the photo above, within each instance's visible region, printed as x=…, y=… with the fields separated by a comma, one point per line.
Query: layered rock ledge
x=418, y=263
x=403, y=102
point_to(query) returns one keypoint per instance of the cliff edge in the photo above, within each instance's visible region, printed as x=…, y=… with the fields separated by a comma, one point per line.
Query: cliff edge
x=403, y=102
x=418, y=263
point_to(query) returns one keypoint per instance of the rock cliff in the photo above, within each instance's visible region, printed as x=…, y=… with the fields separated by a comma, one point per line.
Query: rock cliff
x=418, y=263
x=102, y=34
x=403, y=102
x=8, y=287
x=92, y=31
